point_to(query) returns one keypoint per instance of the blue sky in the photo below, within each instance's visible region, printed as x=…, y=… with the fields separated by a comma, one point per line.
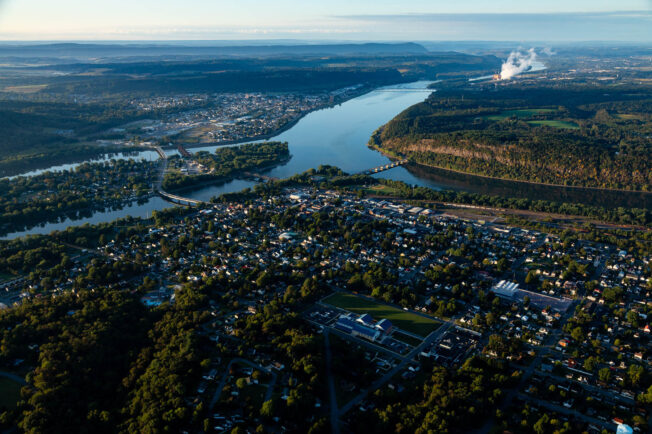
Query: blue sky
x=523, y=20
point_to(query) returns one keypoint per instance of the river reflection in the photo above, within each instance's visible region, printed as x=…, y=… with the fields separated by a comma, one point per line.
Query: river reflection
x=441, y=179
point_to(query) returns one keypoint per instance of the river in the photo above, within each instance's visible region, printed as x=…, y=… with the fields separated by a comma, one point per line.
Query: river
x=338, y=136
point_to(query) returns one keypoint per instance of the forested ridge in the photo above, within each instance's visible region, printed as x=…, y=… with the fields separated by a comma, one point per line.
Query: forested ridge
x=130, y=365
x=555, y=134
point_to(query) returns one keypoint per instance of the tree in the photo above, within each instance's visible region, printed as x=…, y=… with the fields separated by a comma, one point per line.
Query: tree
x=531, y=278
x=604, y=375
x=590, y=363
x=578, y=334
x=268, y=409
x=632, y=318
x=635, y=374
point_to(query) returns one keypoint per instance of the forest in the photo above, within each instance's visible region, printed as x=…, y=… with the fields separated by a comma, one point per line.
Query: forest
x=564, y=134
x=28, y=201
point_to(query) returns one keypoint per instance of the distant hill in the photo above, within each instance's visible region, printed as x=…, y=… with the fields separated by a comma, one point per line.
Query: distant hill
x=88, y=51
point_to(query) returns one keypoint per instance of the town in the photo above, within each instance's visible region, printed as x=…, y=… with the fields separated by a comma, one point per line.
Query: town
x=203, y=119
x=325, y=301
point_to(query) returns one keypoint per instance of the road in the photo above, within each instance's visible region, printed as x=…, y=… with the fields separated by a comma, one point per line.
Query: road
x=335, y=422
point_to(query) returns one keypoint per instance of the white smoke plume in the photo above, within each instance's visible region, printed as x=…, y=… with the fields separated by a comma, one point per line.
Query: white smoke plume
x=549, y=51
x=517, y=62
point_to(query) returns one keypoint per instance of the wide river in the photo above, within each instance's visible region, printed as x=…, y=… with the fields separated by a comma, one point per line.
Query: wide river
x=338, y=136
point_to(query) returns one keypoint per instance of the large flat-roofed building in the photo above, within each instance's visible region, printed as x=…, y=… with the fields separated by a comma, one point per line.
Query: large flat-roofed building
x=351, y=325
x=505, y=289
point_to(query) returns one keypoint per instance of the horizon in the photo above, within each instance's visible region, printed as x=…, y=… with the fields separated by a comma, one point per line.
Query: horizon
x=197, y=20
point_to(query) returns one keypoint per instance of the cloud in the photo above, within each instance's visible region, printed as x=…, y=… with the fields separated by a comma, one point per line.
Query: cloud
x=580, y=26
x=520, y=27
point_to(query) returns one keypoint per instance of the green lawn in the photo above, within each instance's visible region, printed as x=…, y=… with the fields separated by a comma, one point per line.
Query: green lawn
x=518, y=114
x=555, y=124
x=629, y=116
x=407, y=321
x=9, y=393
x=381, y=189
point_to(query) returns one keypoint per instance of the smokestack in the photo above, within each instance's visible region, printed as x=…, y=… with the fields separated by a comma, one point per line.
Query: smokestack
x=517, y=63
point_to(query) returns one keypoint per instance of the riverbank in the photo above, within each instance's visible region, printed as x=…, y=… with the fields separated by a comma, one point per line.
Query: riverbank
x=522, y=181
x=375, y=143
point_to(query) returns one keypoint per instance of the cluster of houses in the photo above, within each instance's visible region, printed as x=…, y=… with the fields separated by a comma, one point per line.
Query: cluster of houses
x=227, y=116
x=244, y=243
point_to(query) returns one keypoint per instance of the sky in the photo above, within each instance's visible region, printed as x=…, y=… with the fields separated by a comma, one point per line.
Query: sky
x=368, y=20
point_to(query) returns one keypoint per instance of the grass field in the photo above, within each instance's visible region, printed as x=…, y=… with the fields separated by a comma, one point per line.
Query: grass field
x=629, y=116
x=31, y=88
x=407, y=321
x=382, y=189
x=518, y=114
x=555, y=124
x=9, y=393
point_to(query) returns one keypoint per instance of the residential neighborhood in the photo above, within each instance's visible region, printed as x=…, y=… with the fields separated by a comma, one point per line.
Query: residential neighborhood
x=402, y=287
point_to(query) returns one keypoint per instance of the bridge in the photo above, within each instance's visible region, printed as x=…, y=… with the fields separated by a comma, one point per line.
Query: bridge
x=158, y=185
x=183, y=151
x=384, y=167
x=179, y=200
x=160, y=152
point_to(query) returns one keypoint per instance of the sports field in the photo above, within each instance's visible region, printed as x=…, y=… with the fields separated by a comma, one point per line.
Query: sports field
x=404, y=320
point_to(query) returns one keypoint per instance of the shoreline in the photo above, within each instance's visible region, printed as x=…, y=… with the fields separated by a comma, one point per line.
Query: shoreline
x=543, y=184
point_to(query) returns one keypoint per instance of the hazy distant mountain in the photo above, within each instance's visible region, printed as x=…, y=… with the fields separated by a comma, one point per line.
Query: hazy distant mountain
x=89, y=51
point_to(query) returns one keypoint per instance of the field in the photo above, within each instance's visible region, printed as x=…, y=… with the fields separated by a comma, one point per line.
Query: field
x=404, y=320
x=630, y=116
x=9, y=393
x=26, y=89
x=555, y=124
x=382, y=190
x=519, y=114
